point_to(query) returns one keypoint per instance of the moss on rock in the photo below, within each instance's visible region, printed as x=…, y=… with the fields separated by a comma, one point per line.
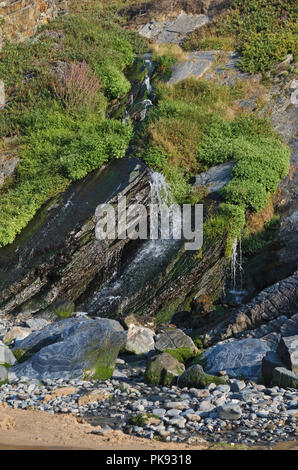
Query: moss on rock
x=181, y=354
x=163, y=370
x=196, y=377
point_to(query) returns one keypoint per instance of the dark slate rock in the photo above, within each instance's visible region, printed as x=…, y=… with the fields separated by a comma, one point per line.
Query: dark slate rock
x=284, y=378
x=269, y=363
x=288, y=351
x=290, y=326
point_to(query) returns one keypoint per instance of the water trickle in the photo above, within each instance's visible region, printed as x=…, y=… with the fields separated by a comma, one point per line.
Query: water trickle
x=146, y=104
x=236, y=292
x=148, y=85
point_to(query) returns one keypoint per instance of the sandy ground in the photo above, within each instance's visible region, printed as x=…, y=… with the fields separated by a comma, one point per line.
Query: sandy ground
x=27, y=429
x=31, y=429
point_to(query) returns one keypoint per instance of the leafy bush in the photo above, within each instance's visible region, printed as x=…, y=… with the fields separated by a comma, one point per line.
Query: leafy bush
x=91, y=150
x=164, y=63
x=114, y=82
x=263, y=32
x=247, y=193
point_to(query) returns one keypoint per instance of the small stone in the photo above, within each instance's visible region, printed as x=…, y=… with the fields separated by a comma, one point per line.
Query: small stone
x=232, y=412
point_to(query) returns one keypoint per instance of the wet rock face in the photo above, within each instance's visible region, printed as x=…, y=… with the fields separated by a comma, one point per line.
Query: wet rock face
x=283, y=377
x=71, y=348
x=57, y=255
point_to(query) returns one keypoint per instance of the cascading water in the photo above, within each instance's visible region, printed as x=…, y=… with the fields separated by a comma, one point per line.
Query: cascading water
x=146, y=104
x=141, y=95
x=236, y=293
x=147, y=263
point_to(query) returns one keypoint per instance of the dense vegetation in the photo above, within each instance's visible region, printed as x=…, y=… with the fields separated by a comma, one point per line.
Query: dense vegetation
x=191, y=130
x=262, y=31
x=59, y=85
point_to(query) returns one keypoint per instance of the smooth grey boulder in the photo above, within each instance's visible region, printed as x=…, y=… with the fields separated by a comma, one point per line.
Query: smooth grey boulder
x=284, y=378
x=6, y=356
x=195, y=377
x=174, y=339
x=288, y=351
x=239, y=358
x=3, y=374
x=71, y=348
x=231, y=412
x=216, y=177
x=269, y=363
x=140, y=340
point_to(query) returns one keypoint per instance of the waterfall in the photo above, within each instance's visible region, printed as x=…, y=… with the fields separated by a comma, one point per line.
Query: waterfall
x=149, y=260
x=236, y=291
x=160, y=191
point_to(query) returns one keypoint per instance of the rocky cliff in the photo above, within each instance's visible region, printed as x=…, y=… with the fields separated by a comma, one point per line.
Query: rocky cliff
x=21, y=18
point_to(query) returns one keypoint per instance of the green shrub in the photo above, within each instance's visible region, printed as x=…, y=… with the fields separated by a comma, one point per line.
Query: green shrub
x=164, y=63
x=246, y=193
x=114, y=82
x=263, y=32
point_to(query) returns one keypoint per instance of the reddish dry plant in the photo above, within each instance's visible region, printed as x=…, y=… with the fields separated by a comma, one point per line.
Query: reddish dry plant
x=77, y=86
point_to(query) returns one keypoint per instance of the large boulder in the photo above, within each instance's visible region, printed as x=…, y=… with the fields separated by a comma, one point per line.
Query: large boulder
x=239, y=358
x=284, y=378
x=6, y=356
x=71, y=348
x=163, y=370
x=195, y=377
x=269, y=363
x=140, y=340
x=174, y=339
x=288, y=351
